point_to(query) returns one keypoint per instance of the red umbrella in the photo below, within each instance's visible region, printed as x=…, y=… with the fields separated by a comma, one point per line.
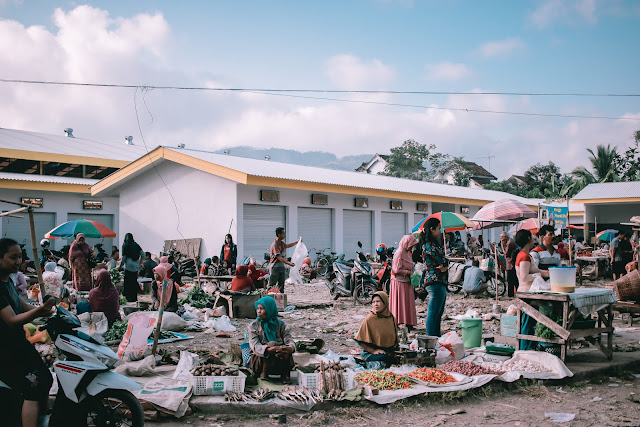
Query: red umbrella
x=531, y=224
x=504, y=209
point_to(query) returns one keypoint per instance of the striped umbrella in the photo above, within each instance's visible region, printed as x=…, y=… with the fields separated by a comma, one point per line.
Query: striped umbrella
x=607, y=235
x=531, y=224
x=89, y=228
x=504, y=209
x=449, y=221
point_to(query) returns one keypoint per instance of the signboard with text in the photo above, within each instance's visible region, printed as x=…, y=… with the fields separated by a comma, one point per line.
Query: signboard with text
x=558, y=216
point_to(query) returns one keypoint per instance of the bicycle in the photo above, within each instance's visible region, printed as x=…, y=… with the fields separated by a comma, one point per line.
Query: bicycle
x=324, y=262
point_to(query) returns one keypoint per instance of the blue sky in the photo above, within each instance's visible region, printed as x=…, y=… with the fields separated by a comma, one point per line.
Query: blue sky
x=586, y=46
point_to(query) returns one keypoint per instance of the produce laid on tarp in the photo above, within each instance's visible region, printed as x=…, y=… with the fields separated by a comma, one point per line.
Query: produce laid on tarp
x=384, y=380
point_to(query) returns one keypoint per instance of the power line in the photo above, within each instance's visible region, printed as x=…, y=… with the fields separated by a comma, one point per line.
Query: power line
x=394, y=92
x=279, y=92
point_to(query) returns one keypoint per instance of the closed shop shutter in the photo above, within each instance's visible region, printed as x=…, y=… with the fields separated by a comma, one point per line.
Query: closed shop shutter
x=259, y=229
x=357, y=226
x=18, y=228
x=394, y=226
x=107, y=221
x=315, y=225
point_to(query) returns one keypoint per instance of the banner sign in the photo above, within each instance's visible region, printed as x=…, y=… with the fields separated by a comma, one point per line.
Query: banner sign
x=558, y=216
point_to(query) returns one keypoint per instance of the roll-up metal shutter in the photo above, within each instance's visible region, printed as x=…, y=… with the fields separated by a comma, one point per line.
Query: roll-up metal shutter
x=357, y=226
x=18, y=228
x=107, y=221
x=259, y=229
x=315, y=225
x=394, y=226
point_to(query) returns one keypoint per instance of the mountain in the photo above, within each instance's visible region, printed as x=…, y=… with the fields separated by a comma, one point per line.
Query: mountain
x=309, y=158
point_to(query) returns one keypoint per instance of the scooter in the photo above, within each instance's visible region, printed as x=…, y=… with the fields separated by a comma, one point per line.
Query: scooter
x=88, y=392
x=356, y=281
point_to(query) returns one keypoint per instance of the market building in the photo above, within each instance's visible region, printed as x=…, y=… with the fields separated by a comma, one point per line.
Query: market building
x=178, y=193
x=609, y=205
x=55, y=173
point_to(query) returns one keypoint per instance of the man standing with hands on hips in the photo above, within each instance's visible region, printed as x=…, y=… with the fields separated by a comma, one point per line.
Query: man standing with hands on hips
x=278, y=254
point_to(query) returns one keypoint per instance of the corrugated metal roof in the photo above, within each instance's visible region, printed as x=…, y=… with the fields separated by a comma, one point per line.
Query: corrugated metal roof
x=47, y=178
x=610, y=190
x=60, y=144
x=573, y=207
x=271, y=169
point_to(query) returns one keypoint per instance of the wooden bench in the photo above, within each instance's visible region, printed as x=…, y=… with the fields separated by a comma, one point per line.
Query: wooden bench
x=627, y=307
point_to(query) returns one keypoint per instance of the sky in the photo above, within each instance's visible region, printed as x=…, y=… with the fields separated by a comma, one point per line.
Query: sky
x=526, y=47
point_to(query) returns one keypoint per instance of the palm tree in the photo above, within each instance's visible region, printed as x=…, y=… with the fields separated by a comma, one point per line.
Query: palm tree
x=603, y=164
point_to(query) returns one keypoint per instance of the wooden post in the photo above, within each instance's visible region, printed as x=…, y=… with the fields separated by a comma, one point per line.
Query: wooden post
x=569, y=229
x=160, y=313
x=34, y=248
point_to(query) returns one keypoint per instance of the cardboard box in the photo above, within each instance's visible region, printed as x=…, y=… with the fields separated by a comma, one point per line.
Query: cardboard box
x=281, y=300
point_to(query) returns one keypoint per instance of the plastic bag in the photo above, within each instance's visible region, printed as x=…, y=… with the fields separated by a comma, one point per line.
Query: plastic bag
x=452, y=341
x=299, y=254
x=187, y=362
x=443, y=355
x=134, y=341
x=137, y=369
x=539, y=284
x=223, y=324
x=93, y=323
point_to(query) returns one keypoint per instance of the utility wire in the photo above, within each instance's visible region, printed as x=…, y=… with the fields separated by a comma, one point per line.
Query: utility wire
x=397, y=92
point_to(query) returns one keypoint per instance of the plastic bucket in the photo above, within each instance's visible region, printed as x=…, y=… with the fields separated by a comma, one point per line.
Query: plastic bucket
x=471, y=332
x=562, y=279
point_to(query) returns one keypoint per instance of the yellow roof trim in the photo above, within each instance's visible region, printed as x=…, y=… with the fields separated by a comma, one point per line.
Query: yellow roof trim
x=601, y=201
x=576, y=213
x=61, y=158
x=343, y=189
x=128, y=170
x=44, y=186
x=204, y=166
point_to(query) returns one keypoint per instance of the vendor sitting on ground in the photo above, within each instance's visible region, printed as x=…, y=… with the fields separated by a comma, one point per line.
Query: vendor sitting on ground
x=475, y=281
x=105, y=297
x=306, y=270
x=378, y=333
x=170, y=292
x=258, y=276
x=242, y=283
x=271, y=343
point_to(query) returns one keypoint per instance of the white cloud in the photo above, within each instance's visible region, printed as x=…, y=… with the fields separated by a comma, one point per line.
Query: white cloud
x=447, y=71
x=564, y=11
x=349, y=72
x=501, y=47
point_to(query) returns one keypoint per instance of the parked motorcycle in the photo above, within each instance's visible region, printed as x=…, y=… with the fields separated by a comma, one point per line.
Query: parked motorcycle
x=355, y=281
x=456, y=278
x=88, y=392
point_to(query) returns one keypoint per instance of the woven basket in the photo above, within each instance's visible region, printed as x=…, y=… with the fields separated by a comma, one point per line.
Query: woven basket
x=627, y=288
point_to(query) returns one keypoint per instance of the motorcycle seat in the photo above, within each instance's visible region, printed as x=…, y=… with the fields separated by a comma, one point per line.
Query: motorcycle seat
x=345, y=269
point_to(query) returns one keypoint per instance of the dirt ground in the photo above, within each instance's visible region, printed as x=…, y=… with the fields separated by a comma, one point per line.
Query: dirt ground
x=522, y=404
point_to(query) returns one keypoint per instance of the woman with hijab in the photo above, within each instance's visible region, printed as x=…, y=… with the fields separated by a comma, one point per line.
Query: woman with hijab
x=402, y=301
x=162, y=281
x=435, y=275
x=257, y=275
x=132, y=256
x=271, y=343
x=242, y=283
x=229, y=252
x=79, y=255
x=105, y=297
x=378, y=333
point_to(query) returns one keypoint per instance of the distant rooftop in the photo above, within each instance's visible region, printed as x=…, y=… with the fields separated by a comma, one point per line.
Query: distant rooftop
x=610, y=190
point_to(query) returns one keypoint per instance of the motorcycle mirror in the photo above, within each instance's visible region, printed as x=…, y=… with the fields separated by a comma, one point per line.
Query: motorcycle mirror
x=360, y=244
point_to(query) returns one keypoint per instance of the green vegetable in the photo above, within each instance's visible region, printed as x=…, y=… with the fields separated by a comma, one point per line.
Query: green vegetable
x=544, y=332
x=198, y=298
x=116, y=331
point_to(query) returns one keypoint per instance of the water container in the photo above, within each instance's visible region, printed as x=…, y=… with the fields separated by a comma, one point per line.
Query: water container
x=562, y=279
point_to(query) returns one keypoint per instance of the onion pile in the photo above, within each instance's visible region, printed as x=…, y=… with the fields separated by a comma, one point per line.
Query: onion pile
x=468, y=368
x=516, y=366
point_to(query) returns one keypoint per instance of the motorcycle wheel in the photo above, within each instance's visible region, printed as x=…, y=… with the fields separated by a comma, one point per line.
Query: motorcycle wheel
x=322, y=266
x=363, y=292
x=114, y=408
x=454, y=288
x=491, y=286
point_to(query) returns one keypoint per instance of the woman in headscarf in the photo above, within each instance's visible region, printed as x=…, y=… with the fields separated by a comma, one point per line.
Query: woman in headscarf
x=402, y=301
x=79, y=255
x=257, y=275
x=306, y=270
x=105, y=297
x=53, y=279
x=271, y=343
x=132, y=256
x=171, y=289
x=378, y=333
x=242, y=283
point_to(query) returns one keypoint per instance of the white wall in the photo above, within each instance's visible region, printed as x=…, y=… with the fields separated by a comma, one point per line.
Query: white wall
x=61, y=204
x=206, y=206
x=613, y=213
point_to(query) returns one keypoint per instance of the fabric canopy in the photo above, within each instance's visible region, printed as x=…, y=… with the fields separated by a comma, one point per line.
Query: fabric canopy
x=504, y=209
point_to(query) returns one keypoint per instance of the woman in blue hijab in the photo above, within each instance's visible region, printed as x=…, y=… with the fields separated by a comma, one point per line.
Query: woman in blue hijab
x=271, y=343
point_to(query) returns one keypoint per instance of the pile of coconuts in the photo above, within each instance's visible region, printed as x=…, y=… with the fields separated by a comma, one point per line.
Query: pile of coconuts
x=208, y=370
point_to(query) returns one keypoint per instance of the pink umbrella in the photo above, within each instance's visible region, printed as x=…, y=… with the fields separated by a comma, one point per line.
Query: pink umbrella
x=504, y=209
x=531, y=224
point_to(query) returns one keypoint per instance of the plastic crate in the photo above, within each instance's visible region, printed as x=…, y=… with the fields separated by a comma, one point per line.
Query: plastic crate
x=312, y=380
x=213, y=386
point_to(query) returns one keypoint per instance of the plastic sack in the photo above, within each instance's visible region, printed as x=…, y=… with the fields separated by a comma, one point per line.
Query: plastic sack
x=134, y=341
x=539, y=284
x=223, y=324
x=452, y=341
x=187, y=362
x=93, y=323
x=443, y=355
x=137, y=369
x=456, y=270
x=299, y=254
x=170, y=321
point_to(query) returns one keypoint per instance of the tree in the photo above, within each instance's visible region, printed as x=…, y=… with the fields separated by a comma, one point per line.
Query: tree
x=605, y=163
x=413, y=160
x=628, y=164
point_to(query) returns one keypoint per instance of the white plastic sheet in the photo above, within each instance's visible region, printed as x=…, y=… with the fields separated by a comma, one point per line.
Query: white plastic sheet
x=299, y=254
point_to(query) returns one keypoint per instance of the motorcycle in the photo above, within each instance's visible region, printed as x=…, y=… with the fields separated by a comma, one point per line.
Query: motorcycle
x=456, y=272
x=353, y=281
x=88, y=392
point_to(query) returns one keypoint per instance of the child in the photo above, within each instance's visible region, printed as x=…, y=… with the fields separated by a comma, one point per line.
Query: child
x=306, y=270
x=226, y=267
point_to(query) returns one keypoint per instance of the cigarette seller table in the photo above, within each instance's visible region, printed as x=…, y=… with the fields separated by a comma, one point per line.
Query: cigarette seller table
x=585, y=301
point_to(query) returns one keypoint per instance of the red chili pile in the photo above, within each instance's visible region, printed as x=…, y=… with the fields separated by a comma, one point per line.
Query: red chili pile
x=383, y=380
x=468, y=368
x=434, y=376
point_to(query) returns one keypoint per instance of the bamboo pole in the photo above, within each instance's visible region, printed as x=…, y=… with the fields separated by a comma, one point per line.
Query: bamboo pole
x=569, y=229
x=36, y=260
x=156, y=336
x=15, y=211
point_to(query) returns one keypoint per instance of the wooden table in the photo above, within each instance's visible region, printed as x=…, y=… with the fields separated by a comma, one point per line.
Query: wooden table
x=214, y=279
x=527, y=302
x=582, y=260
